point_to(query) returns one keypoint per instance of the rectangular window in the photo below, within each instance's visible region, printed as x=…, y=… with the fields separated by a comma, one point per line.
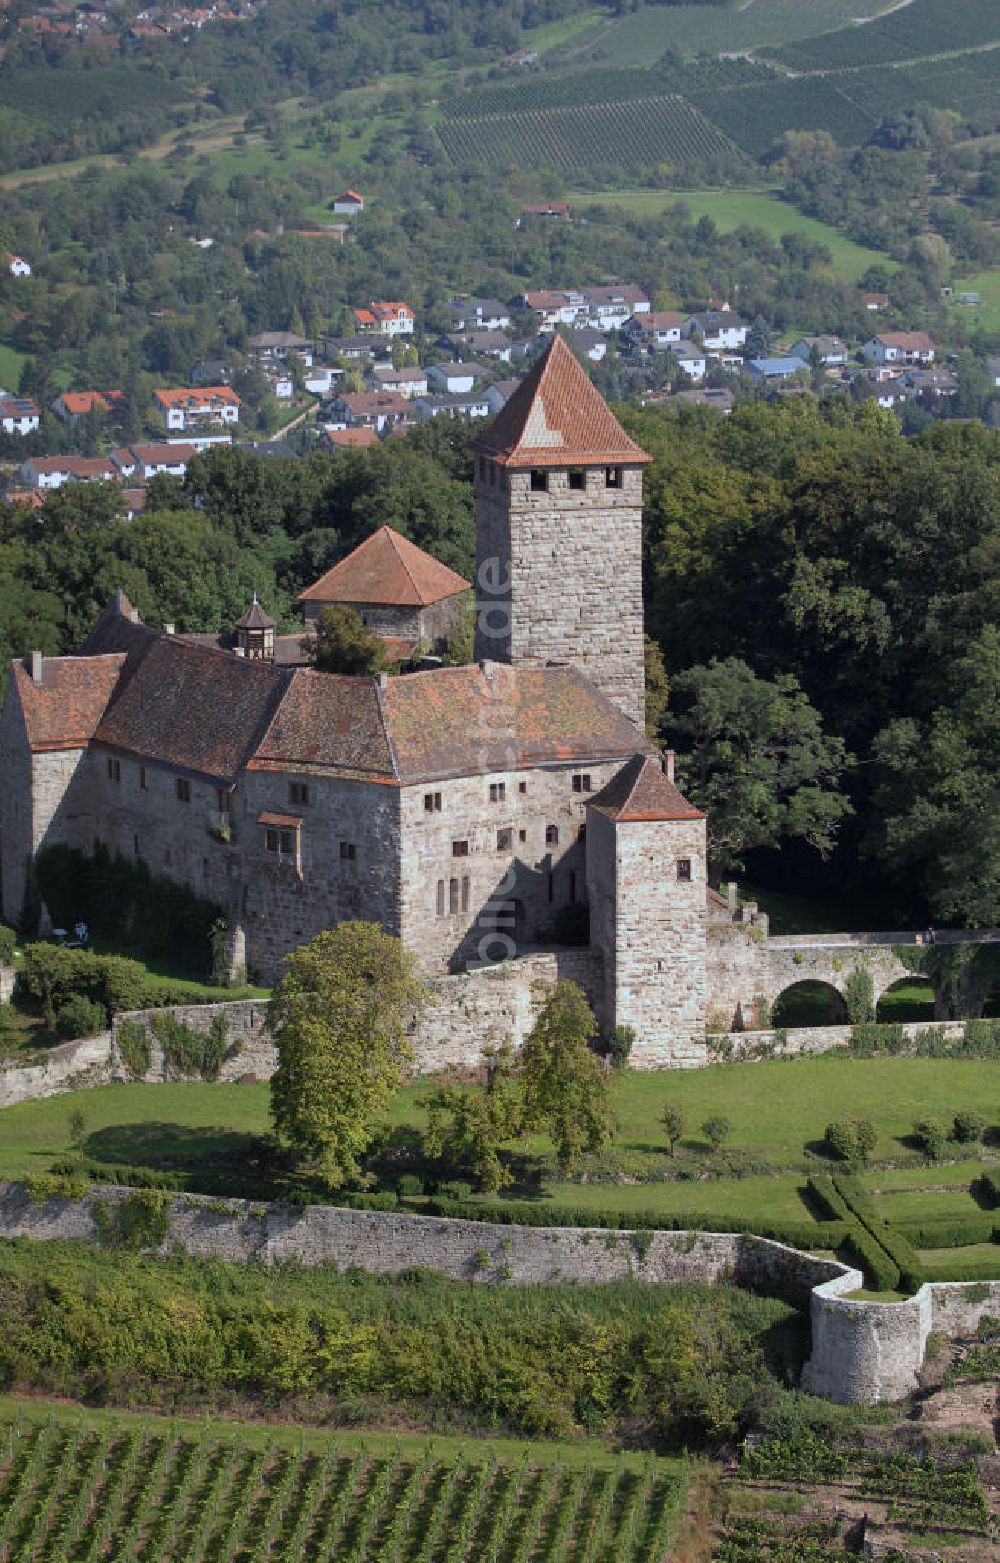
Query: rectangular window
x=182, y=787
x=684, y=868
x=465, y=892
x=298, y=792
x=271, y=840
x=581, y=834
x=498, y=792
x=581, y=782
x=440, y=897
x=432, y=803
x=222, y=798
x=348, y=852
x=505, y=840
x=453, y=895
x=577, y=477
x=114, y=769
x=493, y=474
x=613, y=477
x=522, y=786
x=522, y=835
x=460, y=849
x=539, y=481
x=142, y=778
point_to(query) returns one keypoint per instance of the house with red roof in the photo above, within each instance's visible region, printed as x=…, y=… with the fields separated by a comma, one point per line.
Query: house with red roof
x=349, y=204
x=71, y=406
x=386, y=318
x=194, y=406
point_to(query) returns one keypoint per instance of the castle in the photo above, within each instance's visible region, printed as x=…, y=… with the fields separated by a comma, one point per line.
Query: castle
x=478, y=812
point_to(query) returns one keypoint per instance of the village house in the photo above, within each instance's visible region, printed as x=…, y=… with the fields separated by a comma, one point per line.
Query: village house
x=272, y=349
x=51, y=472
x=195, y=406
x=409, y=381
x=591, y=341
x=348, y=439
x=554, y=308
x=899, y=347
x=452, y=404
x=366, y=409
x=828, y=350
x=150, y=461
x=356, y=349
x=772, y=371
x=18, y=415
x=213, y=371
x=17, y=265
x=71, y=406
x=484, y=344
x=499, y=393
x=653, y=332
x=392, y=318
x=456, y=378
x=478, y=314
x=349, y=204
x=875, y=303
x=608, y=308
x=692, y=360
x=718, y=329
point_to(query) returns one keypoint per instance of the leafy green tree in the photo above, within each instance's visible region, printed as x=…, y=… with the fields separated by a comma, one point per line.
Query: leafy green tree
x=339, y=1021
x=716, y=1131
x=342, y=644
x=969, y=1126
x=859, y=995
x=470, y=1123
x=757, y=760
x=758, y=343
x=672, y=1120
x=565, y=1090
x=657, y=687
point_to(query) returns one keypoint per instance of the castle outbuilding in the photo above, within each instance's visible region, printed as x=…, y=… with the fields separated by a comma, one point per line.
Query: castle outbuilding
x=480, y=813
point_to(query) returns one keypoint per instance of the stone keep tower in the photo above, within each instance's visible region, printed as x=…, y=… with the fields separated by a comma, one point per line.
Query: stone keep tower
x=558, y=487
x=646, y=880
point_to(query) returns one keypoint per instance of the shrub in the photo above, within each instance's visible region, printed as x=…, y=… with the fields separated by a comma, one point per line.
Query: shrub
x=969, y=1126
x=134, y=1048
x=851, y=1139
x=410, y=1186
x=879, y=1270
x=8, y=944
x=43, y=1186
x=931, y=1134
x=80, y=1017
x=869, y=1039
x=620, y=1044
x=859, y=996
x=141, y=1220
x=672, y=1120
x=989, y=1186
x=717, y=1131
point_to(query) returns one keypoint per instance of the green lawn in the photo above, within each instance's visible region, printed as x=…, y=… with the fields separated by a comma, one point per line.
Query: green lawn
x=987, y=316
x=11, y=363
x=730, y=209
x=952, y=1175
x=980, y=1261
x=928, y=1205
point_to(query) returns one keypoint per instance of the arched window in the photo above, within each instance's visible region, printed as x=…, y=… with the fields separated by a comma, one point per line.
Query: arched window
x=552, y=835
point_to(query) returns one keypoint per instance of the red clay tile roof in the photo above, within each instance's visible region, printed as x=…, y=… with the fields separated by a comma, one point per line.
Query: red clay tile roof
x=63, y=711
x=641, y=791
x=467, y=721
x=557, y=418
x=192, y=708
x=908, y=341
x=327, y=723
x=77, y=403
x=198, y=396
x=351, y=439
x=386, y=568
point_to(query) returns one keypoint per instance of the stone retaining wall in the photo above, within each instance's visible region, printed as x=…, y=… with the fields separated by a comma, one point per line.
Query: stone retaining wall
x=387, y=1243
x=750, y=1047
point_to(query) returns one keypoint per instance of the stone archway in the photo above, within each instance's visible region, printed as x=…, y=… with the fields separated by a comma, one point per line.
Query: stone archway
x=915, y=1009
x=810, y=1001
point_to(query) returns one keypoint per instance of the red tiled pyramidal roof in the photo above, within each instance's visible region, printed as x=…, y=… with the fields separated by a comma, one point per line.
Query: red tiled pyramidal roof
x=386, y=568
x=557, y=418
x=641, y=791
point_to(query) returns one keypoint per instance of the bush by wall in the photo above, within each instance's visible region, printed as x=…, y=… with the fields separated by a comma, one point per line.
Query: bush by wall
x=189, y=1052
x=80, y=1017
x=121, y=900
x=53, y=974
x=134, y=1048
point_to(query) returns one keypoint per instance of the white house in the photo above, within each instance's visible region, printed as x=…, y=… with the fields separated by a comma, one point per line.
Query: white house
x=453, y=405
x=456, y=379
x=18, y=266
x=408, y=381
x=349, y=204
x=555, y=308
x=693, y=360
x=51, y=472
x=719, y=329
x=319, y=382
x=609, y=308
x=197, y=404
x=655, y=331
x=386, y=318
x=900, y=347
x=478, y=314
x=830, y=350
x=271, y=348
x=18, y=415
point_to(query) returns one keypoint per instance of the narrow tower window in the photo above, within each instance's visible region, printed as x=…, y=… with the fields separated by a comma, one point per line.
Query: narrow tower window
x=539, y=480
x=577, y=477
x=613, y=477
x=684, y=868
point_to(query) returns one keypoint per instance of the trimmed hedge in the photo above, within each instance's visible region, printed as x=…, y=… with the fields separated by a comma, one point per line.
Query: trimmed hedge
x=826, y=1198
x=880, y=1272
x=901, y=1252
x=950, y=1231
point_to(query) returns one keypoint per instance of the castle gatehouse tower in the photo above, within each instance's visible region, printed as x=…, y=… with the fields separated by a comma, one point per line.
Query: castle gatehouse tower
x=558, y=487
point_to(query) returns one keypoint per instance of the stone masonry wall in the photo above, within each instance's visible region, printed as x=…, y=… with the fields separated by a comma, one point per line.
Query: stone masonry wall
x=387, y=1243
x=737, y=1047
x=572, y=558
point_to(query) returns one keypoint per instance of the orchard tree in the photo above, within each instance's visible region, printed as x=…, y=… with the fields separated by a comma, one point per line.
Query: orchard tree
x=470, y=1123
x=339, y=1021
x=565, y=1089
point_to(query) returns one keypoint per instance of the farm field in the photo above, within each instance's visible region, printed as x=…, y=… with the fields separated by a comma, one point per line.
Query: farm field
x=731, y=209
x=987, y=315
x=924, y=27
x=77, y=1486
x=647, y=33
x=590, y=135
